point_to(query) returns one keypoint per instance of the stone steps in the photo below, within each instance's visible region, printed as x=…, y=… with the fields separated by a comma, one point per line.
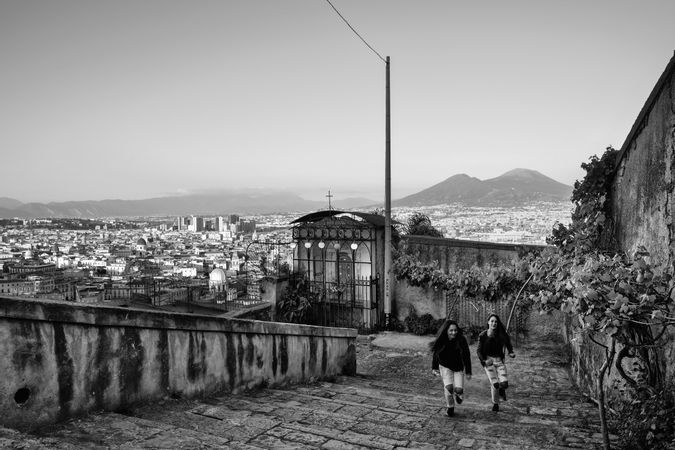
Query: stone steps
x=378, y=409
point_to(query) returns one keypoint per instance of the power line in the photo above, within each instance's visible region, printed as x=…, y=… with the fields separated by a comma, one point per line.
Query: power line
x=355, y=32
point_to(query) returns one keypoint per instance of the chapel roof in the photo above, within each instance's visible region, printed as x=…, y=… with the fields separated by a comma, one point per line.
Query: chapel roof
x=373, y=219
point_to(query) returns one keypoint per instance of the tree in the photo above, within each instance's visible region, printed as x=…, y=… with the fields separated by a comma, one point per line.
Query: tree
x=420, y=225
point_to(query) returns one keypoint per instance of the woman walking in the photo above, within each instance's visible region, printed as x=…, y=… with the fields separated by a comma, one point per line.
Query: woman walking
x=452, y=361
x=491, y=343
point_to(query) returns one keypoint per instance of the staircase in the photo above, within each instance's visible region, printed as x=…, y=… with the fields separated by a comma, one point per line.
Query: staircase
x=394, y=402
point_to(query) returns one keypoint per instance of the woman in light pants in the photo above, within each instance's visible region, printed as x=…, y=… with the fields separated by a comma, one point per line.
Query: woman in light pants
x=491, y=343
x=452, y=361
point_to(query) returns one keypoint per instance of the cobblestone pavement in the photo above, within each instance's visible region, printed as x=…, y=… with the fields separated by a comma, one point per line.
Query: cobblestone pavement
x=394, y=402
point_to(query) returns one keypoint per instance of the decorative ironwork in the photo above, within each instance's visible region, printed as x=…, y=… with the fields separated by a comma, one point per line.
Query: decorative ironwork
x=351, y=304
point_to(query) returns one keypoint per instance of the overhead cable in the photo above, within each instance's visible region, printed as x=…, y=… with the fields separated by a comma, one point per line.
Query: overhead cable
x=355, y=32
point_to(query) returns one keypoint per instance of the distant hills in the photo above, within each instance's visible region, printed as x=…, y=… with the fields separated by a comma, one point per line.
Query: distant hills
x=221, y=202
x=515, y=187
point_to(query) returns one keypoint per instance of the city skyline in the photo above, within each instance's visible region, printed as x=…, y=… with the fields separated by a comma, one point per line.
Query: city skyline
x=138, y=100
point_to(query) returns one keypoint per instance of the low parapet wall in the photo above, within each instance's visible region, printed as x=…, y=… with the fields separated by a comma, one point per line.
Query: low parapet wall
x=59, y=359
x=453, y=254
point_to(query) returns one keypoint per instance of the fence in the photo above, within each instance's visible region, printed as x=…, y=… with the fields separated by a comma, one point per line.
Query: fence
x=186, y=295
x=351, y=304
x=226, y=304
x=473, y=313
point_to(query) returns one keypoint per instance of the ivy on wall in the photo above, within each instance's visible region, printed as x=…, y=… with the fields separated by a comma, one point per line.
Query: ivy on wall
x=490, y=283
x=620, y=301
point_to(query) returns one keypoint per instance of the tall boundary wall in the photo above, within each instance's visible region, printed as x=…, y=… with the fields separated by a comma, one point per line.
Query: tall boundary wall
x=60, y=359
x=642, y=207
x=448, y=255
x=452, y=254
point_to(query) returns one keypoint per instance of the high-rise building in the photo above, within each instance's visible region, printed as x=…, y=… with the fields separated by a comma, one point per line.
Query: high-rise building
x=184, y=223
x=247, y=226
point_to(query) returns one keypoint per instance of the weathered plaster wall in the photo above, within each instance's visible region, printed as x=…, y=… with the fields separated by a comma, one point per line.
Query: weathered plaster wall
x=586, y=359
x=641, y=203
x=452, y=254
x=61, y=359
x=642, y=192
x=422, y=300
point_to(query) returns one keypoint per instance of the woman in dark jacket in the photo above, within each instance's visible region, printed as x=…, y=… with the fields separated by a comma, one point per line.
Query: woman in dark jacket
x=451, y=360
x=491, y=343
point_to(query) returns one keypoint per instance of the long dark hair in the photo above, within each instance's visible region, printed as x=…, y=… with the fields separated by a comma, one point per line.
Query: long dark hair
x=442, y=336
x=501, y=329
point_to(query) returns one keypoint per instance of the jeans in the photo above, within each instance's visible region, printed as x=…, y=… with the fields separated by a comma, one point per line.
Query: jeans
x=496, y=373
x=453, y=382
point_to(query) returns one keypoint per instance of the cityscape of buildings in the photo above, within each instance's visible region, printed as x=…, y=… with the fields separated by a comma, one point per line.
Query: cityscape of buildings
x=525, y=224
x=155, y=261
x=166, y=262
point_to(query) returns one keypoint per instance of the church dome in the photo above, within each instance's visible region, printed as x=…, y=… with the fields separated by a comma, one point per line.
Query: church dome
x=217, y=275
x=141, y=241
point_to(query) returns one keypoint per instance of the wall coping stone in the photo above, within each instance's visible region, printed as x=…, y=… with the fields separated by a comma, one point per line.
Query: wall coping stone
x=111, y=316
x=451, y=242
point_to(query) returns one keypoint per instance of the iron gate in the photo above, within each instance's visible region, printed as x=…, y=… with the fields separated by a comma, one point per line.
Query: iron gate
x=351, y=304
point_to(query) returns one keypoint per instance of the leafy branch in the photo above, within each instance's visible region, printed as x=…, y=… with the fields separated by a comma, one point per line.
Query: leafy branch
x=616, y=298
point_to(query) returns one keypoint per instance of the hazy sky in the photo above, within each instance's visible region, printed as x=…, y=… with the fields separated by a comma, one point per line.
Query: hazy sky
x=136, y=99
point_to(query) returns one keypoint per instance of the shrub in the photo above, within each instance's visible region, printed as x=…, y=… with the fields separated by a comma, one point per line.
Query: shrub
x=421, y=325
x=648, y=422
x=295, y=303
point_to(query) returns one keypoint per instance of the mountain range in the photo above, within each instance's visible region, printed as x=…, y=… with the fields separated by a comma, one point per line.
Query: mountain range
x=515, y=187
x=518, y=186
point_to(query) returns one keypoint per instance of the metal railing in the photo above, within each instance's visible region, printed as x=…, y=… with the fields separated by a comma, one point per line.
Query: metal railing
x=351, y=304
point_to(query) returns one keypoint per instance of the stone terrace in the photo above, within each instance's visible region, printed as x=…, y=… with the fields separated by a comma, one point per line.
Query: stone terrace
x=394, y=402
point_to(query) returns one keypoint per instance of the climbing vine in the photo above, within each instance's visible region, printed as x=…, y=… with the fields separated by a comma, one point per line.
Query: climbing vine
x=489, y=284
x=621, y=302
x=589, y=230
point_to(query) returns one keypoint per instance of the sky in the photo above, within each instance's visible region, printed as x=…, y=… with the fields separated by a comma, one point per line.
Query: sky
x=131, y=99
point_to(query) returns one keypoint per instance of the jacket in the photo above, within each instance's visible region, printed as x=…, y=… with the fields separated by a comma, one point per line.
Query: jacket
x=454, y=355
x=492, y=346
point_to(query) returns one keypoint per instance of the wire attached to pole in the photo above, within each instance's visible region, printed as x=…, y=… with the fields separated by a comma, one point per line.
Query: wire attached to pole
x=355, y=32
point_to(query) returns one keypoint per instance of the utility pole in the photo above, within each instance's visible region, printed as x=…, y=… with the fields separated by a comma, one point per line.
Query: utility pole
x=387, y=181
x=387, y=204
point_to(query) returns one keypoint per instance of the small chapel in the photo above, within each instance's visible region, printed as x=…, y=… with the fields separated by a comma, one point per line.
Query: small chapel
x=341, y=255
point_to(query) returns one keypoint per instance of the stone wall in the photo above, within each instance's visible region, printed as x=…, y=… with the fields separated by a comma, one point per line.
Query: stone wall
x=451, y=254
x=641, y=204
x=588, y=356
x=62, y=359
x=642, y=189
